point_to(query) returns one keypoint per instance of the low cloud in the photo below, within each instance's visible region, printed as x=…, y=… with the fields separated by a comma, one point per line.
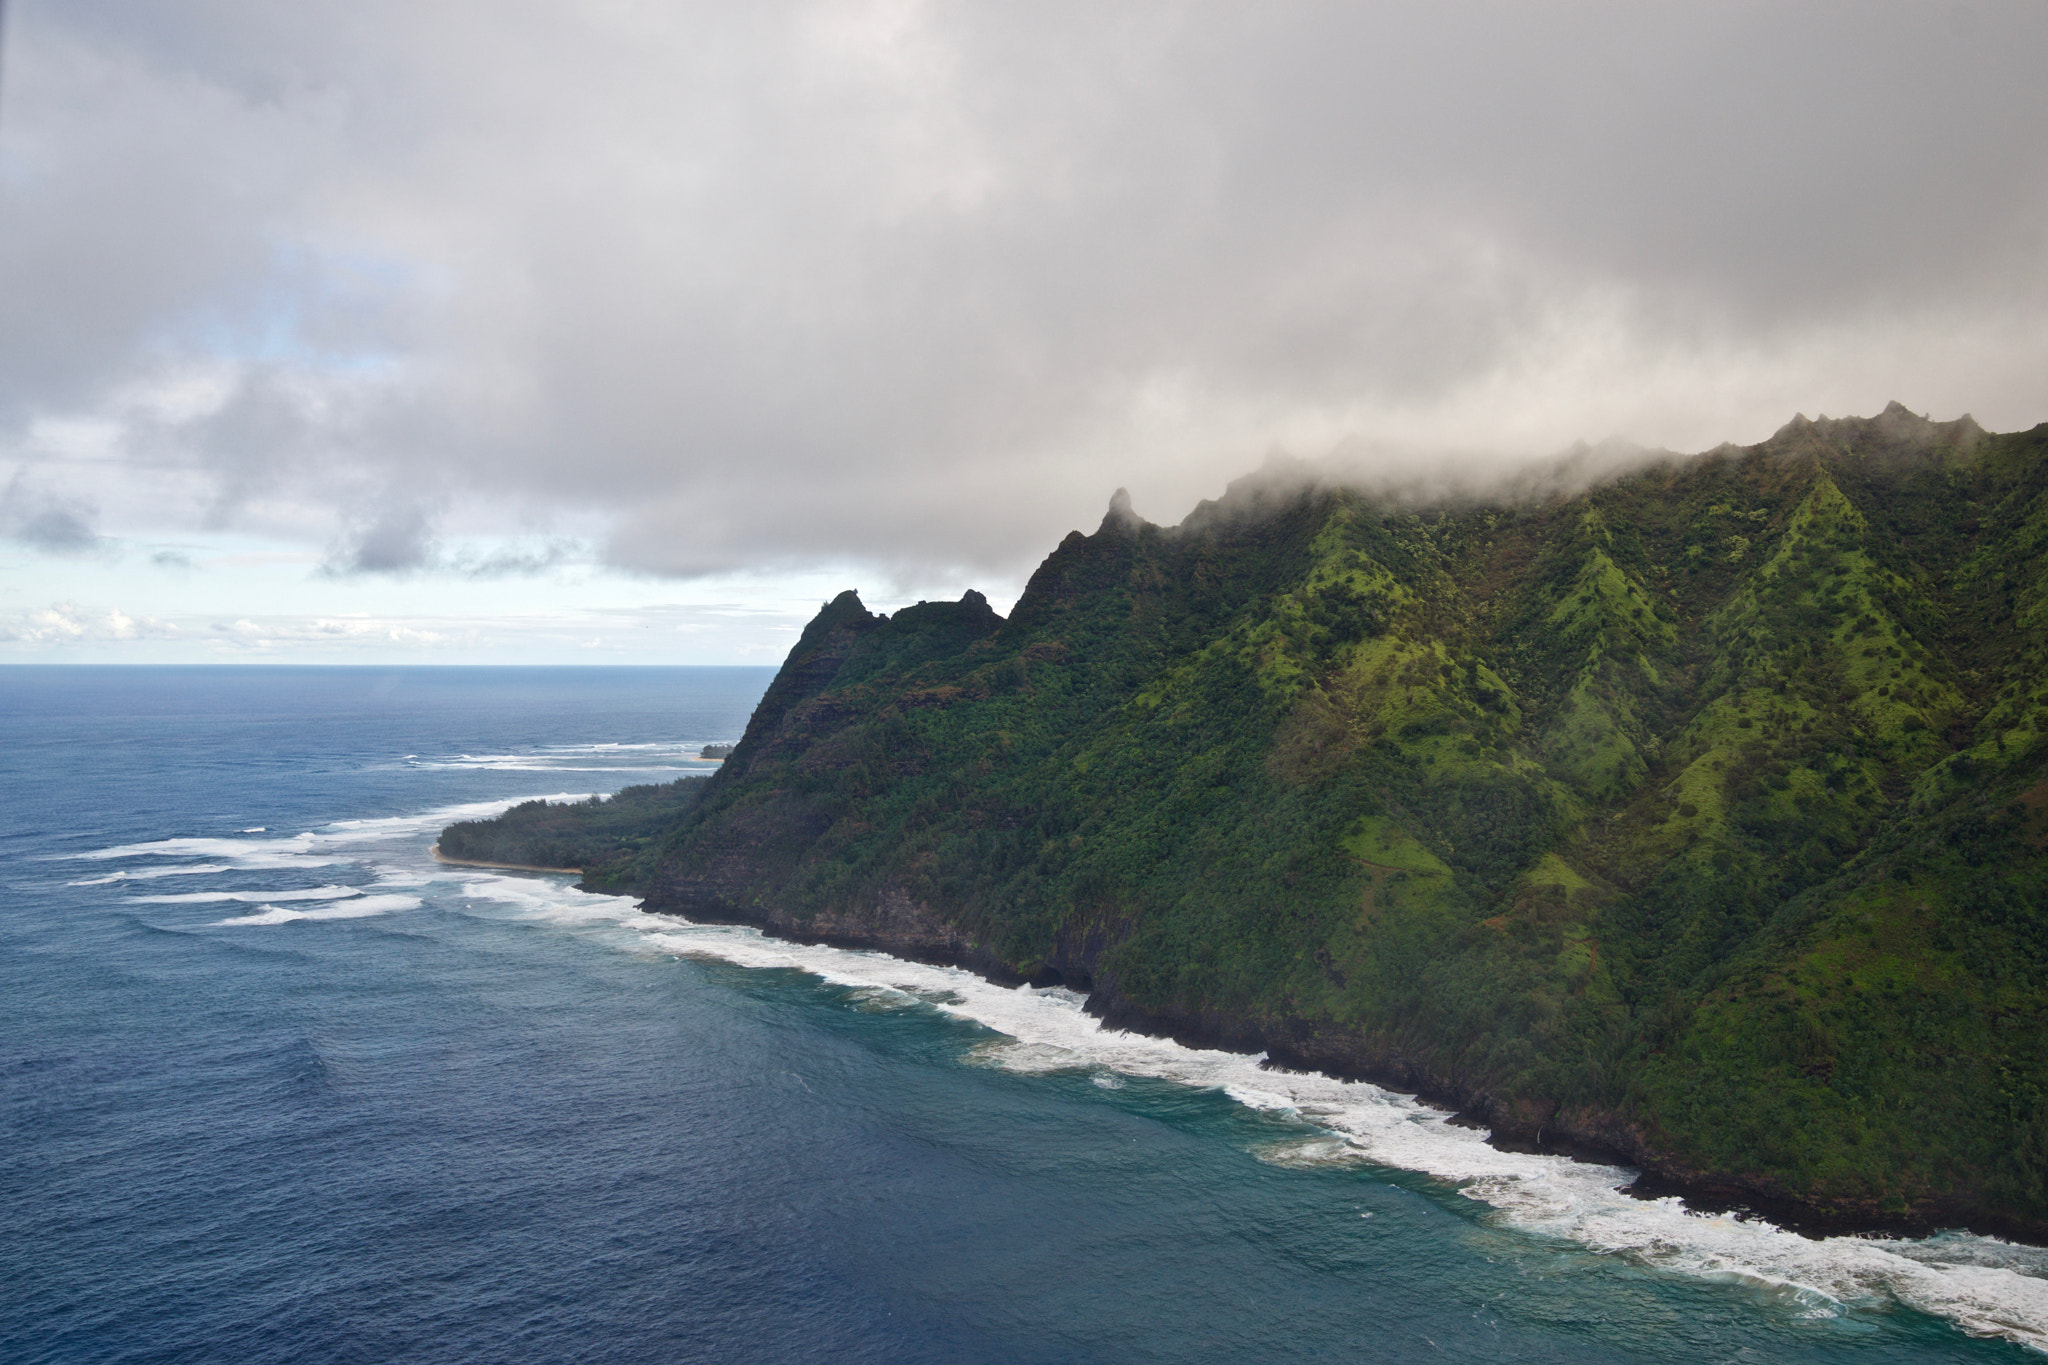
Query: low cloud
x=913, y=287
x=399, y=541
x=728, y=631
x=518, y=562
x=1405, y=478
x=33, y=516
x=273, y=633
x=396, y=540
x=66, y=623
x=390, y=632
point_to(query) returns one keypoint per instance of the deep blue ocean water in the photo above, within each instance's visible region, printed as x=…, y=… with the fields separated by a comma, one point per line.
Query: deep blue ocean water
x=277, y=1087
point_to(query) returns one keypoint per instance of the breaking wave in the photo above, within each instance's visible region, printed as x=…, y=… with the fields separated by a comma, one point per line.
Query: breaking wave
x=359, y=908
x=674, y=757
x=365, y=844
x=1985, y=1286
x=311, y=893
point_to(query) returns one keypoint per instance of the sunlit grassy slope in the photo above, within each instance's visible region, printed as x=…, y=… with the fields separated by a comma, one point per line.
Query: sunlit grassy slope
x=1701, y=814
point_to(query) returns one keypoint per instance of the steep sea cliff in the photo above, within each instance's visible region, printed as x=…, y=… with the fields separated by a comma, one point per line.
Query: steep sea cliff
x=1695, y=818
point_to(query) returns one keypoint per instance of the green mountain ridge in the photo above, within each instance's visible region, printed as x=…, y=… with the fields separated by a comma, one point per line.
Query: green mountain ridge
x=1699, y=817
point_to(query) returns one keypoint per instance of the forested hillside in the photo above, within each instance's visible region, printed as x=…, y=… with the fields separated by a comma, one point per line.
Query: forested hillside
x=563, y=836
x=1699, y=816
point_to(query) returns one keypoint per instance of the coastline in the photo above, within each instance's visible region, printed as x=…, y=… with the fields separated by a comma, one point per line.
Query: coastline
x=1294, y=1046
x=438, y=856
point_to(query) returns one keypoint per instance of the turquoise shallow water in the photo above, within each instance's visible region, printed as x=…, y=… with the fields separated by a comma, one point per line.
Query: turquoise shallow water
x=277, y=1087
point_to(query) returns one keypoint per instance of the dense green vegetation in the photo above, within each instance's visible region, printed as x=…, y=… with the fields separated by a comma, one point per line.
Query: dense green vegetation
x=1700, y=815
x=600, y=837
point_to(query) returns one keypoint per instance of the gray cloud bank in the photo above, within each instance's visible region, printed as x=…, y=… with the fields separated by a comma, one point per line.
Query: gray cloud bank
x=33, y=516
x=916, y=285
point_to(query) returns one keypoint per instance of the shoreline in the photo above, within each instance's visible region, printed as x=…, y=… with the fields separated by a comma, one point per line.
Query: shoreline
x=434, y=851
x=1701, y=1193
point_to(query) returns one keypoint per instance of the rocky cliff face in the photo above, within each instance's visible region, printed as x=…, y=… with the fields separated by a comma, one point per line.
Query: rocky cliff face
x=1698, y=816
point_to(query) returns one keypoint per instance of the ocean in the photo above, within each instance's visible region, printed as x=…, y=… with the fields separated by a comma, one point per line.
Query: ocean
x=278, y=1087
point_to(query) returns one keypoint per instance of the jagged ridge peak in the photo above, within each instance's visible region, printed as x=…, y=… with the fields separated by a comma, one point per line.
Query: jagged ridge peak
x=1896, y=436
x=1120, y=516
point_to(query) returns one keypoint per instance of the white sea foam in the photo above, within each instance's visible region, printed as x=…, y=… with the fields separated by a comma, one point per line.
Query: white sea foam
x=545, y=767
x=147, y=874
x=307, y=848
x=311, y=893
x=350, y=842
x=359, y=908
x=663, y=756
x=432, y=821
x=1984, y=1286
x=557, y=902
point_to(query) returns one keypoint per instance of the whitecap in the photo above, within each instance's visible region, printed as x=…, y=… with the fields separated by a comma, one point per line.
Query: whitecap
x=360, y=908
x=1310, y=1151
x=654, y=756
x=317, y=847
x=199, y=848
x=311, y=893
x=546, y=767
x=431, y=821
x=145, y=874
x=557, y=902
x=1028, y=1059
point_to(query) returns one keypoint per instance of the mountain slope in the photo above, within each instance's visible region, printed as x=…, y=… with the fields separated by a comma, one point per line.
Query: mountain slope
x=1699, y=816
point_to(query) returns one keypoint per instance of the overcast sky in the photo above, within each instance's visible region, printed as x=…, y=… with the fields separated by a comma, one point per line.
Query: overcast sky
x=628, y=332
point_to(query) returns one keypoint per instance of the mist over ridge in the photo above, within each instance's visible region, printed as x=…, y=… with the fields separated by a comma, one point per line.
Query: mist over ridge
x=668, y=303
x=1415, y=481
